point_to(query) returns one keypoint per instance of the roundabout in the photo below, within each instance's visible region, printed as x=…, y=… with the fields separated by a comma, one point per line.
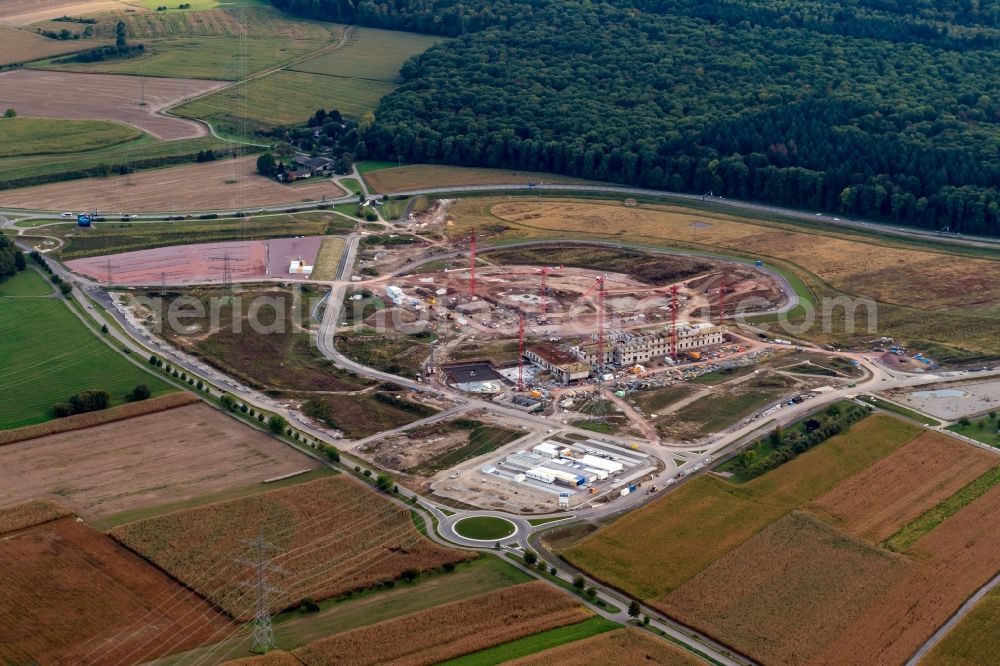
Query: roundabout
x=485, y=528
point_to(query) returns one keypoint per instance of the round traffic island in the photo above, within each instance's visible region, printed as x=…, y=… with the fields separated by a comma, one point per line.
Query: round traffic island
x=485, y=528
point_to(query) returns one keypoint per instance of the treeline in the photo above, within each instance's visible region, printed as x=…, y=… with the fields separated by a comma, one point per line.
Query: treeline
x=11, y=259
x=120, y=51
x=782, y=446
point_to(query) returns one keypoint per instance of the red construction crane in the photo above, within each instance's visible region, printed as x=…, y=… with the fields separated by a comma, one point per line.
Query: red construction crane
x=675, y=306
x=520, y=352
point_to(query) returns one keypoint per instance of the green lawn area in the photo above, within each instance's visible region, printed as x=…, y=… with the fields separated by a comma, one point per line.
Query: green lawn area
x=652, y=551
x=43, y=167
x=35, y=136
x=29, y=283
x=285, y=98
x=535, y=643
x=352, y=185
x=367, y=166
x=292, y=629
x=485, y=528
x=984, y=429
x=875, y=401
x=196, y=5
x=50, y=355
x=371, y=54
x=201, y=57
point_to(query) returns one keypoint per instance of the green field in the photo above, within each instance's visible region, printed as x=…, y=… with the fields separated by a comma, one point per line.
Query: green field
x=485, y=528
x=370, y=54
x=46, y=168
x=36, y=136
x=975, y=640
x=351, y=184
x=113, y=237
x=49, y=355
x=691, y=527
x=718, y=411
x=985, y=429
x=196, y=5
x=285, y=98
x=202, y=57
x=535, y=643
x=29, y=284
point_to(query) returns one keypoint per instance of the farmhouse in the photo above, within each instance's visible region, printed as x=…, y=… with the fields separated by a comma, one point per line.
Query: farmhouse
x=563, y=365
x=316, y=166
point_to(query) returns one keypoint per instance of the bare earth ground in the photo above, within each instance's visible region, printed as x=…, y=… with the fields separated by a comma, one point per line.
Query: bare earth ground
x=190, y=187
x=876, y=502
x=23, y=12
x=66, y=587
x=186, y=263
x=21, y=45
x=106, y=469
x=104, y=97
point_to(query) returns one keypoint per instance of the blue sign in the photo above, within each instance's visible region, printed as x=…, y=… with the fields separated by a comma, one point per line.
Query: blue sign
x=83, y=220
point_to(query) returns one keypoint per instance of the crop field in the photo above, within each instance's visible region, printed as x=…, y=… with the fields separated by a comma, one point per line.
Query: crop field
x=218, y=185
x=300, y=94
x=24, y=170
x=452, y=630
x=691, y=527
x=935, y=300
x=115, y=237
x=104, y=470
x=104, y=97
x=878, y=501
x=974, y=640
x=23, y=12
x=68, y=589
x=32, y=136
x=224, y=21
x=370, y=54
x=262, y=353
x=815, y=582
x=363, y=414
x=387, y=177
x=49, y=356
x=333, y=535
x=624, y=646
x=21, y=46
x=34, y=512
x=204, y=57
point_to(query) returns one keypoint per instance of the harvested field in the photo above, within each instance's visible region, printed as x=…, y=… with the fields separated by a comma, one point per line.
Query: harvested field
x=106, y=469
x=261, y=21
x=91, y=419
x=624, y=646
x=21, y=46
x=974, y=640
x=421, y=176
x=72, y=595
x=452, y=630
x=876, y=502
x=104, y=97
x=948, y=565
x=328, y=260
x=688, y=529
x=207, y=186
x=815, y=582
x=893, y=274
x=35, y=512
x=23, y=12
x=198, y=263
x=333, y=535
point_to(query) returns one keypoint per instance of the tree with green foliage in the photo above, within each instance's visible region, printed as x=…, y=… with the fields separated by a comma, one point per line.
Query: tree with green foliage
x=634, y=610
x=530, y=557
x=10, y=113
x=267, y=165
x=140, y=392
x=277, y=424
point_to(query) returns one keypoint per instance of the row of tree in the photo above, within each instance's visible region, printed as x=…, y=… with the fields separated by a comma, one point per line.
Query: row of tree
x=873, y=108
x=11, y=259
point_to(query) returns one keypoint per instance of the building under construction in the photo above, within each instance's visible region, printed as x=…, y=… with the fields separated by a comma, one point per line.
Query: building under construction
x=562, y=365
x=624, y=348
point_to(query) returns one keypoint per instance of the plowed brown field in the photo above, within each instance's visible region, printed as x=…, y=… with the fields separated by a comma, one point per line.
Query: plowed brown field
x=624, y=646
x=72, y=595
x=144, y=461
x=47, y=94
x=23, y=12
x=204, y=186
x=451, y=630
x=331, y=536
x=883, y=498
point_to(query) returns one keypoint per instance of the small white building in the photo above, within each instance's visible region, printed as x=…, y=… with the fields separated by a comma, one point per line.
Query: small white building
x=395, y=294
x=297, y=267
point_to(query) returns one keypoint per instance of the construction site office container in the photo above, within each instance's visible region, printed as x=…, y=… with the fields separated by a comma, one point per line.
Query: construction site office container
x=539, y=475
x=601, y=463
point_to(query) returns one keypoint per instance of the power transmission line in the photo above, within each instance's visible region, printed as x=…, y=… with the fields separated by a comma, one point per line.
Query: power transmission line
x=263, y=633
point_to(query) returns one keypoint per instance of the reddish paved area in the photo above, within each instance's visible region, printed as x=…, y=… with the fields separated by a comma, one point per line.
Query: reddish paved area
x=203, y=262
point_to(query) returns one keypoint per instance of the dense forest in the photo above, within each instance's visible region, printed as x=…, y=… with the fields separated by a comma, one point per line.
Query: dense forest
x=11, y=259
x=882, y=108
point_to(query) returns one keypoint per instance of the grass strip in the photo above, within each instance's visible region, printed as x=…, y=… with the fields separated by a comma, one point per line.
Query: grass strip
x=909, y=534
x=897, y=409
x=535, y=643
